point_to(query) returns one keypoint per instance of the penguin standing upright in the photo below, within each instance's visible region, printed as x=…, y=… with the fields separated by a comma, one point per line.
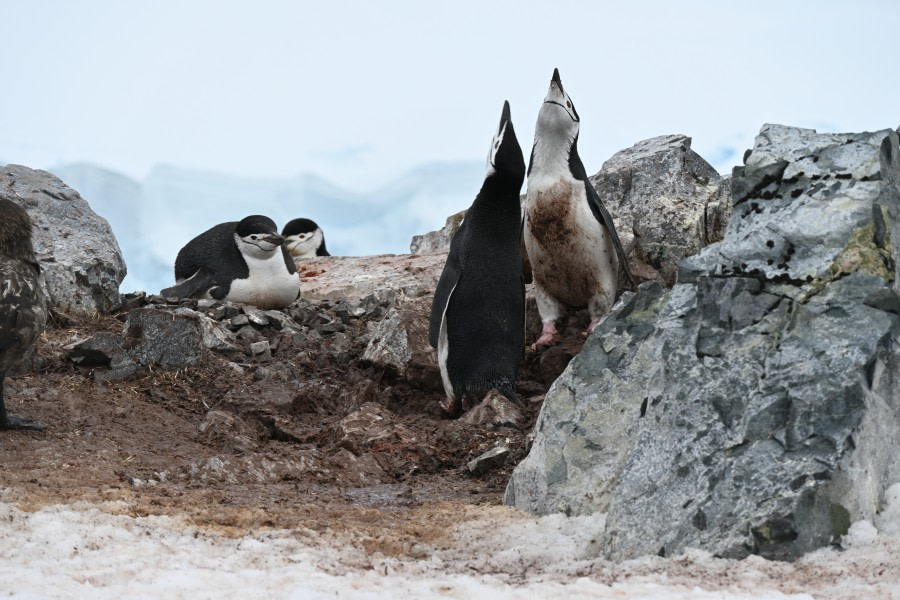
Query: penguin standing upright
x=304, y=239
x=478, y=313
x=23, y=307
x=572, y=244
x=240, y=261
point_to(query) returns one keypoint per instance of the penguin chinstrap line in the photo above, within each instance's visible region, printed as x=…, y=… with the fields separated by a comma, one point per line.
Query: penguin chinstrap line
x=478, y=314
x=570, y=238
x=239, y=261
x=304, y=239
x=23, y=306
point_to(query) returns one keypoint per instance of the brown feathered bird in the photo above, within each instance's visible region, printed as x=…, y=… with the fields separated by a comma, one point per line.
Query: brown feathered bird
x=23, y=307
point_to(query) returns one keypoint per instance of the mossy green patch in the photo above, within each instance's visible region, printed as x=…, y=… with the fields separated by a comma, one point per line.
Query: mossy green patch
x=861, y=254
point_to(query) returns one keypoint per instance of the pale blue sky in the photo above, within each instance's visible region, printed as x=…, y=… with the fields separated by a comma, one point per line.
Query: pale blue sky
x=361, y=91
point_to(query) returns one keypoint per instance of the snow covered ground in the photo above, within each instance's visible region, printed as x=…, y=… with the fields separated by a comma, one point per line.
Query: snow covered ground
x=96, y=551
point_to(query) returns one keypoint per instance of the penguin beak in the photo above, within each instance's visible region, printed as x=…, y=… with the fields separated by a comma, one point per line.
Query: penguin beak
x=505, y=116
x=272, y=238
x=556, y=93
x=557, y=81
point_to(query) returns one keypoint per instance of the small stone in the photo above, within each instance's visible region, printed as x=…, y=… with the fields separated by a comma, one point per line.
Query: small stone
x=231, y=310
x=217, y=313
x=490, y=460
x=256, y=316
x=263, y=347
x=333, y=327
x=494, y=411
x=239, y=321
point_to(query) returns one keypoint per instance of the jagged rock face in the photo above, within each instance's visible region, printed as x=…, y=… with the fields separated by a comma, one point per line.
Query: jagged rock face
x=437, y=241
x=582, y=434
x=80, y=258
x=768, y=402
x=667, y=203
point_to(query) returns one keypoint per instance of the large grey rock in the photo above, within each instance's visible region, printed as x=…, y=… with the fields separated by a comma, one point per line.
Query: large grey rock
x=667, y=203
x=590, y=413
x=400, y=342
x=772, y=420
x=771, y=401
x=79, y=256
x=152, y=337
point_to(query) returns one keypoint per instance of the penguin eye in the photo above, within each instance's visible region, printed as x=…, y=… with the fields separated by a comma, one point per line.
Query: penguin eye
x=568, y=104
x=252, y=237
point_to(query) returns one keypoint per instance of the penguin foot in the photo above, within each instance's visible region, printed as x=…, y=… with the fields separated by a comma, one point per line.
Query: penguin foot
x=22, y=424
x=549, y=336
x=451, y=407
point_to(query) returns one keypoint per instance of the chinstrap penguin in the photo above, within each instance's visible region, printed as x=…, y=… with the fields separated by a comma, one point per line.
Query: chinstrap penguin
x=23, y=307
x=304, y=239
x=240, y=261
x=572, y=244
x=478, y=314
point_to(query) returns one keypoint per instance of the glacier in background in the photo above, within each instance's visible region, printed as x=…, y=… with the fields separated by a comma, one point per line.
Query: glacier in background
x=154, y=218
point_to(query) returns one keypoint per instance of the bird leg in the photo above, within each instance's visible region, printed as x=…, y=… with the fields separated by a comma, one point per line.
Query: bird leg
x=549, y=335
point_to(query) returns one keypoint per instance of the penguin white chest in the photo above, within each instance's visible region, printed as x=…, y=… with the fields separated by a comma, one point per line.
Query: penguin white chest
x=269, y=284
x=572, y=255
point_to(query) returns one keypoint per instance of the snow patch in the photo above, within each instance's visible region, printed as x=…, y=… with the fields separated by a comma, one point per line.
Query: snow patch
x=84, y=551
x=888, y=519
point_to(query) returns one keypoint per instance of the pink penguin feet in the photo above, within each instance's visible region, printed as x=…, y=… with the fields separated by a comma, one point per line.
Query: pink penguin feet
x=549, y=336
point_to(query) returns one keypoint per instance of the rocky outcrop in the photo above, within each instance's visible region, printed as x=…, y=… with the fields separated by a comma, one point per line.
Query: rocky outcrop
x=79, y=256
x=437, y=241
x=590, y=413
x=400, y=343
x=667, y=203
x=359, y=279
x=762, y=412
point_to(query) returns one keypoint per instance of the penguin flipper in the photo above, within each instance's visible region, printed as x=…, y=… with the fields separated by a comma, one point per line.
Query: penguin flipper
x=194, y=286
x=602, y=215
x=449, y=279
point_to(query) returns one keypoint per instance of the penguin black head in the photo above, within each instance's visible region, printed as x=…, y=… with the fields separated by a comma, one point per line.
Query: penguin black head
x=257, y=236
x=15, y=231
x=558, y=115
x=506, y=155
x=304, y=239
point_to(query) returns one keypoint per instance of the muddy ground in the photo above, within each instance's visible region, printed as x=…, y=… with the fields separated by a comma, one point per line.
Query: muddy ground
x=308, y=450
x=304, y=435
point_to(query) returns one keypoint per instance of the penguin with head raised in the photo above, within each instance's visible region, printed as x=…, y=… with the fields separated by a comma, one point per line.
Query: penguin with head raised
x=478, y=314
x=23, y=307
x=570, y=238
x=239, y=261
x=304, y=239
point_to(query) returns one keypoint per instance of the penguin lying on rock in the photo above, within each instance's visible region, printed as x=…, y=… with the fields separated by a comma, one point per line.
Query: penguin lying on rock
x=572, y=244
x=304, y=239
x=23, y=307
x=243, y=261
x=478, y=314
